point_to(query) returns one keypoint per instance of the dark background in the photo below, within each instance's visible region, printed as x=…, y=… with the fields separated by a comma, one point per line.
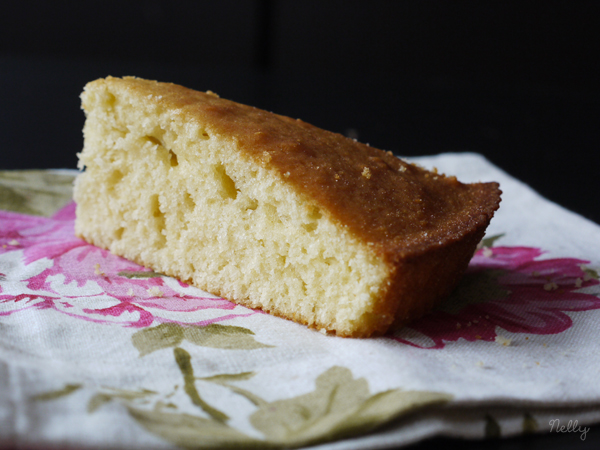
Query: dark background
x=515, y=81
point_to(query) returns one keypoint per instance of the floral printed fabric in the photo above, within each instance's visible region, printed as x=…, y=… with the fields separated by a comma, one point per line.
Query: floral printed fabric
x=97, y=351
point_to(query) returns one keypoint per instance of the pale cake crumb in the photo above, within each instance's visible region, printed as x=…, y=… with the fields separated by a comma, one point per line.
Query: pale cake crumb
x=197, y=188
x=270, y=228
x=503, y=340
x=155, y=291
x=98, y=271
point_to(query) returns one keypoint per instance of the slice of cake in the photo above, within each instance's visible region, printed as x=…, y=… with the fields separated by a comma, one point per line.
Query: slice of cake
x=271, y=212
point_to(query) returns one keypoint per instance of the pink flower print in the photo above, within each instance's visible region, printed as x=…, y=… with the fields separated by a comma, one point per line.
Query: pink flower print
x=48, y=267
x=507, y=287
x=40, y=237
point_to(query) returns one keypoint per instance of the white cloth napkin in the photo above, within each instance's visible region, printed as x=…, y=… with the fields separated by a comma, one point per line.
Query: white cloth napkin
x=96, y=351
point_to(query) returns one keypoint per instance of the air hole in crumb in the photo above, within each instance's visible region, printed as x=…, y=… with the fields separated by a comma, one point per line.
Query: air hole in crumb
x=188, y=201
x=252, y=204
x=271, y=212
x=204, y=135
x=228, y=189
x=315, y=213
x=165, y=155
x=304, y=289
x=282, y=260
x=159, y=220
x=110, y=100
x=119, y=132
x=114, y=178
x=119, y=233
x=154, y=140
x=310, y=226
x=173, y=158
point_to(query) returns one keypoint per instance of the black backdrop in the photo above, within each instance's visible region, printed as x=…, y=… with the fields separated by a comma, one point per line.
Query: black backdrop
x=515, y=81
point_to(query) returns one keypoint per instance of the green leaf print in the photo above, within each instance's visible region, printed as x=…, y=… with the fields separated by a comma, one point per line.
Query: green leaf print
x=139, y=274
x=37, y=192
x=97, y=401
x=490, y=241
x=590, y=272
x=193, y=432
x=168, y=335
x=52, y=395
x=223, y=336
x=184, y=361
x=12, y=200
x=165, y=335
x=102, y=398
x=339, y=407
x=226, y=379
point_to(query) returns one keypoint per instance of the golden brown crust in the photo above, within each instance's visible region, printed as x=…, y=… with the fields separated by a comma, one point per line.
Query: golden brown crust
x=400, y=208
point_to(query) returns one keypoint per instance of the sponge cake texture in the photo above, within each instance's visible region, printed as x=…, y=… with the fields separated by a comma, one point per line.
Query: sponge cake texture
x=271, y=212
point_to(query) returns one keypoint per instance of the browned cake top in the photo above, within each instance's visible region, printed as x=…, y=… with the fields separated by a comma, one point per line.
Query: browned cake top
x=401, y=208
